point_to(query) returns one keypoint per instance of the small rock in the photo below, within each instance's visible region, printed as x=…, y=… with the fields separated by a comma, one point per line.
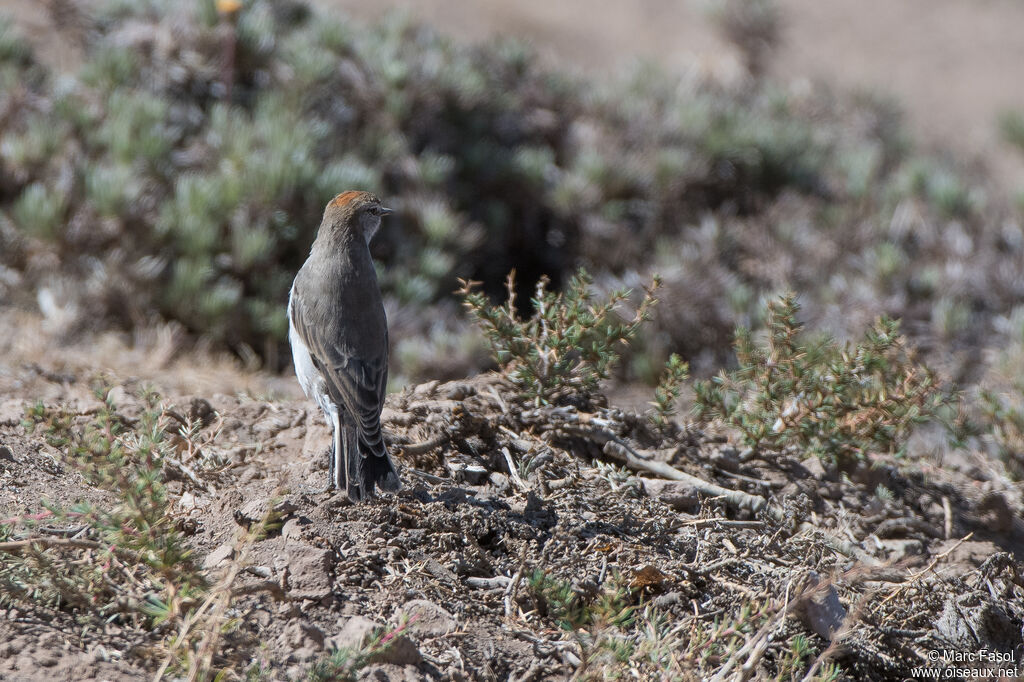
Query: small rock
x=260, y=617
x=459, y=391
x=676, y=494
x=426, y=389
x=218, y=556
x=475, y=474
x=726, y=459
x=815, y=468
x=353, y=634
x=499, y=481
x=823, y=612
x=427, y=619
x=309, y=572
x=995, y=513
x=439, y=571
x=663, y=601
x=302, y=635
x=6, y=455
x=398, y=417
x=291, y=530
x=969, y=625
x=12, y=412
x=46, y=660
x=399, y=651
x=255, y=510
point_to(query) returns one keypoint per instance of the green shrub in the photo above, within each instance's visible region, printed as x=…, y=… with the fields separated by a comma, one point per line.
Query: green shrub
x=39, y=211
x=1011, y=125
x=138, y=529
x=669, y=388
x=568, y=345
x=838, y=402
x=14, y=49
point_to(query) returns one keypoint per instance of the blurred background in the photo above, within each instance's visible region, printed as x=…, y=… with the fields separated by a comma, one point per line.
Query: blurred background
x=164, y=166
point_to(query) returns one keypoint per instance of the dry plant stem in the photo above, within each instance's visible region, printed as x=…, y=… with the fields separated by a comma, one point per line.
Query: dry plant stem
x=512, y=589
x=724, y=523
x=180, y=466
x=948, y=513
x=18, y=546
x=512, y=473
x=426, y=446
x=927, y=569
x=424, y=475
x=753, y=649
x=217, y=603
x=847, y=549
x=736, y=498
x=497, y=582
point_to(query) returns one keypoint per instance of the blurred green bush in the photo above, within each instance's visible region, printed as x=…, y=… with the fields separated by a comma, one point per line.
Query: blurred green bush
x=159, y=195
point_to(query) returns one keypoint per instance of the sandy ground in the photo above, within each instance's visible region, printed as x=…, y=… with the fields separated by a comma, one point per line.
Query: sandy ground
x=449, y=566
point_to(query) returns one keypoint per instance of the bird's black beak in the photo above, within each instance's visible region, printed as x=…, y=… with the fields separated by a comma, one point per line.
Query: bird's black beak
x=384, y=210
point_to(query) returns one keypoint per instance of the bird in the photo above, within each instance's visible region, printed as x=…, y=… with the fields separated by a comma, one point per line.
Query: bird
x=338, y=332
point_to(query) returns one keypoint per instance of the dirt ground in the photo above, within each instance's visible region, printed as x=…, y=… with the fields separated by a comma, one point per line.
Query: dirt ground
x=496, y=493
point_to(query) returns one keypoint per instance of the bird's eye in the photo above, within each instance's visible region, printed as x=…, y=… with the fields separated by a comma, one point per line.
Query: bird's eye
x=375, y=210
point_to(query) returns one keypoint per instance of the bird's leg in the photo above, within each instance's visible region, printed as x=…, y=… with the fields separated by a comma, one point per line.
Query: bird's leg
x=333, y=455
x=331, y=458
x=337, y=465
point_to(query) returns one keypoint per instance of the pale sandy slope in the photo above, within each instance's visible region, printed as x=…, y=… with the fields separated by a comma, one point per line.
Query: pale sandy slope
x=953, y=65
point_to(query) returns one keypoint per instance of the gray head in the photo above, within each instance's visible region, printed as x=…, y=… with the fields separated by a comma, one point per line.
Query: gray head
x=355, y=210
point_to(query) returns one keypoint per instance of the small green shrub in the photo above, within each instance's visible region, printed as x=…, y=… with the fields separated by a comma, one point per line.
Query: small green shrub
x=343, y=665
x=13, y=46
x=131, y=560
x=568, y=345
x=40, y=211
x=669, y=387
x=1000, y=403
x=1011, y=126
x=573, y=610
x=838, y=402
x=619, y=636
x=1002, y=416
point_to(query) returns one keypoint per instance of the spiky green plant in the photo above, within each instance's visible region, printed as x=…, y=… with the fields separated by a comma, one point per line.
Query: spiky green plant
x=568, y=345
x=841, y=402
x=669, y=387
x=130, y=559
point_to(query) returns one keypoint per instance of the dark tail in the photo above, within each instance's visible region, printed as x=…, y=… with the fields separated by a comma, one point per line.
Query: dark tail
x=362, y=466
